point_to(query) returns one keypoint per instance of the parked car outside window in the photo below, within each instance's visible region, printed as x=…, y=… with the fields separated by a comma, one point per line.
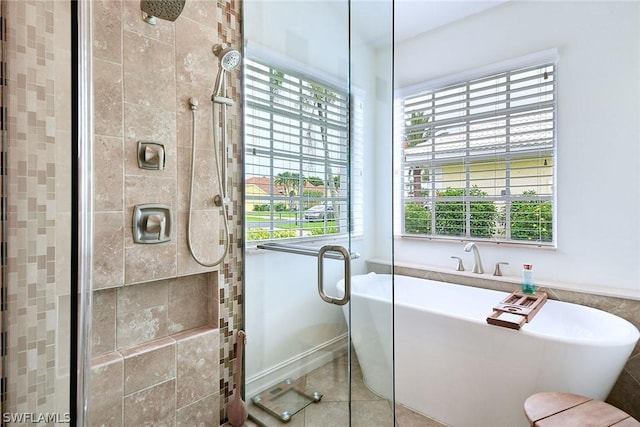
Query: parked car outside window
x=319, y=213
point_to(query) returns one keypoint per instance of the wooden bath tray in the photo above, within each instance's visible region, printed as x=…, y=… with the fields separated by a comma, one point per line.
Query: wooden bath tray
x=517, y=309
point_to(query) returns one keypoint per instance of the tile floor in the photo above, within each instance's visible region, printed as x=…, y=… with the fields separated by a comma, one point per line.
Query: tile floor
x=369, y=410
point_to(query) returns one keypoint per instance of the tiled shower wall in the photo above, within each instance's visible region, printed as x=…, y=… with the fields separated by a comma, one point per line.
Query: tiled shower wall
x=163, y=326
x=37, y=173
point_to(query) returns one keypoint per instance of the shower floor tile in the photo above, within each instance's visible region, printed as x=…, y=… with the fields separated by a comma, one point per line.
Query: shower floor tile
x=369, y=410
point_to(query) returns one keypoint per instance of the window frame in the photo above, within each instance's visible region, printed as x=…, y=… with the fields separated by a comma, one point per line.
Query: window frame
x=548, y=57
x=348, y=222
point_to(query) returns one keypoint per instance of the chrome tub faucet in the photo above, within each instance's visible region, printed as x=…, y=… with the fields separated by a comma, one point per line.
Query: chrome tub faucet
x=477, y=263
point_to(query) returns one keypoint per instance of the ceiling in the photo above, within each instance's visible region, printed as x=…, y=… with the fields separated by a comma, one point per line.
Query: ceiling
x=412, y=17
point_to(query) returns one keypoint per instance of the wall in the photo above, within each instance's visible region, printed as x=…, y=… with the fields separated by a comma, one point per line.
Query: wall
x=37, y=178
x=597, y=156
x=163, y=326
x=382, y=246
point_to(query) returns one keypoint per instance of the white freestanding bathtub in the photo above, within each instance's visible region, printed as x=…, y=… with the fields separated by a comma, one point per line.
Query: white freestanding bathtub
x=454, y=367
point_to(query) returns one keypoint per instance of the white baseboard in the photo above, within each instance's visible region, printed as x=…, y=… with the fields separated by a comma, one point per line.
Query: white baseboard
x=297, y=366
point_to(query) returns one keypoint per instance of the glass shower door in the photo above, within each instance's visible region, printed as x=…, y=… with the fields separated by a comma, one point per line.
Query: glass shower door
x=315, y=384
x=297, y=210
x=316, y=82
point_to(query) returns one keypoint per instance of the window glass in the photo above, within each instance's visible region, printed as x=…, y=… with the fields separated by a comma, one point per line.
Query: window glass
x=297, y=155
x=478, y=157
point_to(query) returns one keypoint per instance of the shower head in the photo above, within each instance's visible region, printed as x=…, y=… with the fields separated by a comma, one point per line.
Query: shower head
x=228, y=56
x=229, y=59
x=168, y=10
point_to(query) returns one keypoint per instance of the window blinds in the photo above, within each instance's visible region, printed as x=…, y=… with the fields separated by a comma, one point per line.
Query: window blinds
x=477, y=157
x=297, y=155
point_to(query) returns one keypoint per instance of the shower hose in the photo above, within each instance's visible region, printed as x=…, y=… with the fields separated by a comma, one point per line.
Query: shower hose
x=194, y=110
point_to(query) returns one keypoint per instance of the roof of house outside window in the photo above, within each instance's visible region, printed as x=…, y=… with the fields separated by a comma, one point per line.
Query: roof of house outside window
x=264, y=184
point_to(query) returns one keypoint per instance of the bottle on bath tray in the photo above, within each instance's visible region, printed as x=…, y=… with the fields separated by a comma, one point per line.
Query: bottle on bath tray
x=528, y=287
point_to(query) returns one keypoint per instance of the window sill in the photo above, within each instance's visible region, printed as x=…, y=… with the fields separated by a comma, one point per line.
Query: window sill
x=443, y=239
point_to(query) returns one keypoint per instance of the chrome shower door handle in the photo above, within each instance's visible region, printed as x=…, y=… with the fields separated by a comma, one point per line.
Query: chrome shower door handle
x=347, y=274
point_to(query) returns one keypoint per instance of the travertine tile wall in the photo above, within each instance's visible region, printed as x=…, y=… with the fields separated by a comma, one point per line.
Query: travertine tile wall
x=36, y=166
x=626, y=392
x=167, y=381
x=154, y=303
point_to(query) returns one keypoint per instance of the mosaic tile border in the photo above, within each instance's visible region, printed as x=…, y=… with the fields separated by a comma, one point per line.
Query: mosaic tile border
x=35, y=211
x=3, y=218
x=229, y=15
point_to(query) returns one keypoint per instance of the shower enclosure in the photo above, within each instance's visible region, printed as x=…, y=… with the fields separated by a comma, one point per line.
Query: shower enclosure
x=166, y=284
x=157, y=330
x=317, y=76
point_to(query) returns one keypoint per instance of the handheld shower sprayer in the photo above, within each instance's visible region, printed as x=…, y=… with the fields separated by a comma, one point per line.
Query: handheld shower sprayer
x=229, y=60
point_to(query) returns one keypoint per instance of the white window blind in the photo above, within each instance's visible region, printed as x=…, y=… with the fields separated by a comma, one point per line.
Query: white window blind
x=478, y=157
x=297, y=155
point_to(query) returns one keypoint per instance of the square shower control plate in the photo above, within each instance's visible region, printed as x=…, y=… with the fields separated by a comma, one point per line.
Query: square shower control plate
x=151, y=155
x=152, y=223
